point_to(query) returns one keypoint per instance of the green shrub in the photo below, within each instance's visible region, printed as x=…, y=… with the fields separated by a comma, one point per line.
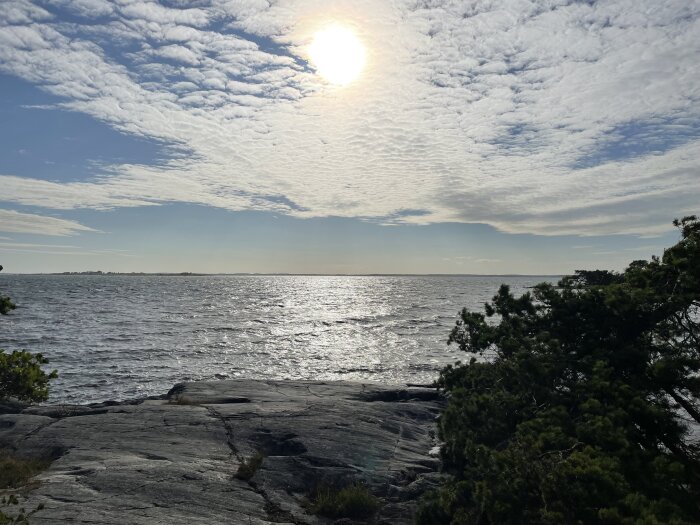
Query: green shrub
x=248, y=467
x=21, y=376
x=352, y=501
x=6, y=305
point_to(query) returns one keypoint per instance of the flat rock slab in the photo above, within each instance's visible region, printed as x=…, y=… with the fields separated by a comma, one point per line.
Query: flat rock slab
x=173, y=461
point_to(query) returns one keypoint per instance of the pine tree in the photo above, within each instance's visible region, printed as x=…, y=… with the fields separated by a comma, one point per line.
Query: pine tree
x=579, y=407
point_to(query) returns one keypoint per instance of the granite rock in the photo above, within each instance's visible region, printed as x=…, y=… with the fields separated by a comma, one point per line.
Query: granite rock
x=173, y=460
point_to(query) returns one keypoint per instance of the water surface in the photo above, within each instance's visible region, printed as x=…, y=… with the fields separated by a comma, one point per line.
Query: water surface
x=119, y=336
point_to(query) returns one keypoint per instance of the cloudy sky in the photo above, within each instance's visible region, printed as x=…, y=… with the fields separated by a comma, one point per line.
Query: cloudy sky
x=480, y=137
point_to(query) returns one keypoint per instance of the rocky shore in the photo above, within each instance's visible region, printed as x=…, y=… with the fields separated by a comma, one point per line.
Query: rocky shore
x=174, y=460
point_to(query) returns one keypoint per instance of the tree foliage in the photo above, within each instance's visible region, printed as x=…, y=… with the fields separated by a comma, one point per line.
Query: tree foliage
x=21, y=375
x=6, y=305
x=578, y=411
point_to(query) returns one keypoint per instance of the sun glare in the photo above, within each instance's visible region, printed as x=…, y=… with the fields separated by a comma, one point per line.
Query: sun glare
x=337, y=54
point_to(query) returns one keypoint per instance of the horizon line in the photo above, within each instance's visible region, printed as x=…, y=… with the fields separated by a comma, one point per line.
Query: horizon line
x=99, y=273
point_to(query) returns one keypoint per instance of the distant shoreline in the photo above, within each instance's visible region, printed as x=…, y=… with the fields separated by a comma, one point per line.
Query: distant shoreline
x=282, y=274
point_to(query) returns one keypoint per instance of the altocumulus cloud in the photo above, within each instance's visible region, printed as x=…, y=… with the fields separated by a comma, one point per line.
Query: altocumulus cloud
x=515, y=114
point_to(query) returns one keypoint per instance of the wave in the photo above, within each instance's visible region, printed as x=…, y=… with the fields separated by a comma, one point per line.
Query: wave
x=163, y=330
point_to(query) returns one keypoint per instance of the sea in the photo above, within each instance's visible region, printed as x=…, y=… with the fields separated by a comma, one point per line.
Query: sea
x=116, y=337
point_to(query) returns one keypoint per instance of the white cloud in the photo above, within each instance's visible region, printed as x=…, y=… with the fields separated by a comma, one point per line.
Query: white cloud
x=178, y=54
x=510, y=114
x=4, y=245
x=23, y=12
x=85, y=8
x=156, y=13
x=59, y=249
x=16, y=222
x=63, y=252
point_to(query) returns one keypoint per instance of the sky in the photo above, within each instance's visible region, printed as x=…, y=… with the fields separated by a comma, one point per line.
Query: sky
x=533, y=137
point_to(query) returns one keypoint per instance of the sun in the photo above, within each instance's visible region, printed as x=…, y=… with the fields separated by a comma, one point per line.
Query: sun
x=337, y=54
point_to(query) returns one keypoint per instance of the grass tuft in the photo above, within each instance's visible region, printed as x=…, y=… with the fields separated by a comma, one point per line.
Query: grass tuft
x=183, y=400
x=353, y=501
x=248, y=468
x=16, y=472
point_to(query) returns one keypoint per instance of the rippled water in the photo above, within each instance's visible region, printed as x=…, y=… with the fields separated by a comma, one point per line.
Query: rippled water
x=116, y=337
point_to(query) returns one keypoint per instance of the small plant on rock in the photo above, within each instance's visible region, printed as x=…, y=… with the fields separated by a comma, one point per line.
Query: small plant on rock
x=183, y=400
x=16, y=472
x=352, y=501
x=248, y=467
x=22, y=516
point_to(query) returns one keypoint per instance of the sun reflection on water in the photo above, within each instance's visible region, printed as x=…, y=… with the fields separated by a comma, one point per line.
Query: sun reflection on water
x=130, y=336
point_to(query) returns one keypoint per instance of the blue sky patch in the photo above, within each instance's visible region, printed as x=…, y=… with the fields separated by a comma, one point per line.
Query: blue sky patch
x=40, y=140
x=633, y=139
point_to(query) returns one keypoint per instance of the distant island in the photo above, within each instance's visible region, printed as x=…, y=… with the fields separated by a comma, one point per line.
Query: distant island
x=100, y=272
